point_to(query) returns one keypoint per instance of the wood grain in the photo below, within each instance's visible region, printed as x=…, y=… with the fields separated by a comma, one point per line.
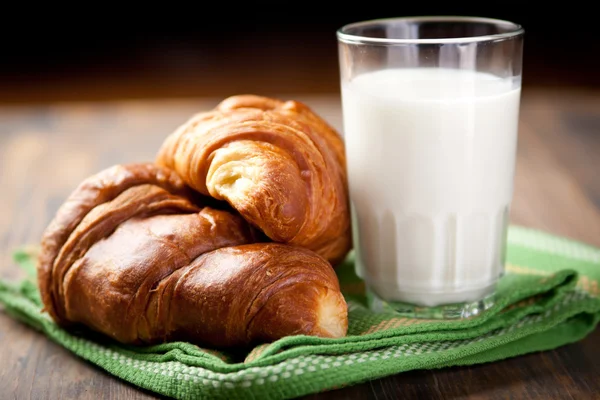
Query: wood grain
x=45, y=151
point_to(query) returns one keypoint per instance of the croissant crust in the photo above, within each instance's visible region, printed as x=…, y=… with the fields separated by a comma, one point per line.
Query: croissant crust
x=135, y=255
x=277, y=163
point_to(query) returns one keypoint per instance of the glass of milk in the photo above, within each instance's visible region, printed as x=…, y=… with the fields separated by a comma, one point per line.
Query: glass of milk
x=430, y=111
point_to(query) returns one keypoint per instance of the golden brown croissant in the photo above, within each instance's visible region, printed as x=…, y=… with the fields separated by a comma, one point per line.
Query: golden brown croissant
x=133, y=255
x=277, y=163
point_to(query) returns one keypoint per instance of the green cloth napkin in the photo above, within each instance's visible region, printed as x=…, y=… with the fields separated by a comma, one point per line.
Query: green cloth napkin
x=549, y=297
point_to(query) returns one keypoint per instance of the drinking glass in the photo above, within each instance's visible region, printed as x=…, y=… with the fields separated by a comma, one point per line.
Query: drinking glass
x=430, y=114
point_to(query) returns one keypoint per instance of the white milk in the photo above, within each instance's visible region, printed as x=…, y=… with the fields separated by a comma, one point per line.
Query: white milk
x=431, y=155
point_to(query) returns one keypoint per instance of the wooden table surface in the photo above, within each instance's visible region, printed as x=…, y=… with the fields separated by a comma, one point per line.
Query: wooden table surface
x=45, y=151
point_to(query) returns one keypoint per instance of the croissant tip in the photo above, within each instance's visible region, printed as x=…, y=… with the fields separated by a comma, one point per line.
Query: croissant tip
x=332, y=319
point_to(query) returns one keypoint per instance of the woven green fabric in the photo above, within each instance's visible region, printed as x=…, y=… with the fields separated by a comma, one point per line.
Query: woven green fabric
x=549, y=297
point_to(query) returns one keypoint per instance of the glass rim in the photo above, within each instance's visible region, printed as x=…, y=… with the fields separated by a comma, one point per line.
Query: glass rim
x=515, y=30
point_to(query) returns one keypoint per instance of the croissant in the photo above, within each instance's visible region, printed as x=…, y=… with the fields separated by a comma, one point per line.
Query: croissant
x=277, y=163
x=133, y=254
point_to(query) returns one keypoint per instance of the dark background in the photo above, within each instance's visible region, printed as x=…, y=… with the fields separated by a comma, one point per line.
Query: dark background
x=260, y=48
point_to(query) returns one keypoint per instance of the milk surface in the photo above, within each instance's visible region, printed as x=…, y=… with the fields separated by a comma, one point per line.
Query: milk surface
x=431, y=156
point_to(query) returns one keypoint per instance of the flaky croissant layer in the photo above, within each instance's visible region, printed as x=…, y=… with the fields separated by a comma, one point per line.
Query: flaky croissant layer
x=277, y=163
x=134, y=255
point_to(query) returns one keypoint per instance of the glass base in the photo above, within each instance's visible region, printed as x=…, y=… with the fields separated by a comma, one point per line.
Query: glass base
x=448, y=311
